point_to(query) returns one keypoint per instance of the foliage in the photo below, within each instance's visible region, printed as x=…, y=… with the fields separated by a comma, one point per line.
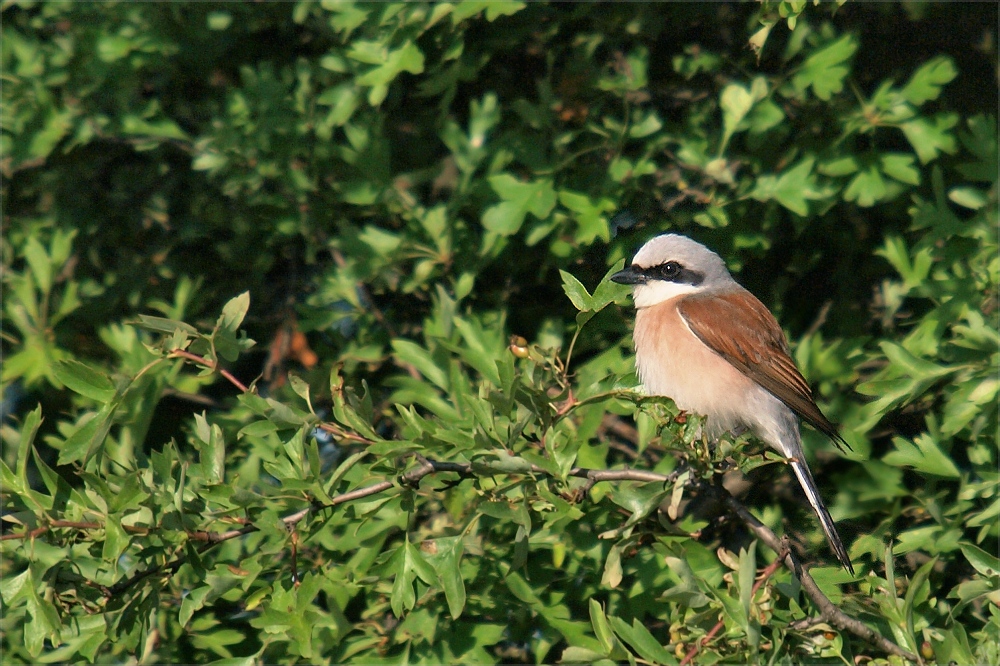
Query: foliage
x=394, y=190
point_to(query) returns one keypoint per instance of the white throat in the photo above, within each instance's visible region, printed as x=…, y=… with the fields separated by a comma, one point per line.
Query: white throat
x=658, y=291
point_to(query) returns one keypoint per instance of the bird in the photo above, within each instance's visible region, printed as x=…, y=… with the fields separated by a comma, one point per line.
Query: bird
x=717, y=351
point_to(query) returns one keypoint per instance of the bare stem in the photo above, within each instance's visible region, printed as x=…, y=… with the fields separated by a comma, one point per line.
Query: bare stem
x=201, y=360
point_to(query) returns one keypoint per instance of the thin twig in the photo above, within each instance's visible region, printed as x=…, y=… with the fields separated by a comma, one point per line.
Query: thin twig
x=821, y=316
x=342, y=433
x=70, y=524
x=617, y=425
x=200, y=360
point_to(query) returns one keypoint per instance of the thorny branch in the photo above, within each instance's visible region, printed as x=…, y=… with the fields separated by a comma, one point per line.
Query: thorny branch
x=829, y=612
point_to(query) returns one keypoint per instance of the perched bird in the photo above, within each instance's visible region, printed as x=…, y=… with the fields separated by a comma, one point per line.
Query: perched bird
x=710, y=345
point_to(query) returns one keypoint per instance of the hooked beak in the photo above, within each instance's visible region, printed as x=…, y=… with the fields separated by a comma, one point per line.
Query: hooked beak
x=629, y=275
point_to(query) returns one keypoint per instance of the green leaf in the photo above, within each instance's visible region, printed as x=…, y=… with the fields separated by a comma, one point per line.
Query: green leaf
x=840, y=166
x=926, y=82
x=343, y=101
x=39, y=263
x=714, y=217
x=824, y=70
x=922, y=454
x=488, y=463
x=85, y=380
x=759, y=38
x=951, y=646
x=415, y=355
x=581, y=655
x=649, y=125
x=408, y=564
x=26, y=437
x=967, y=402
x=495, y=9
x=164, y=128
x=237, y=661
x=601, y=627
x=445, y=555
x=45, y=621
x=407, y=58
x=968, y=197
x=981, y=141
x=917, y=592
x=519, y=198
x=301, y=388
x=765, y=116
x=257, y=429
x=590, y=216
x=913, y=272
x=866, y=188
x=911, y=365
x=163, y=325
x=931, y=137
x=643, y=642
x=612, y=576
x=111, y=47
x=899, y=166
x=347, y=16
x=631, y=77
x=735, y=102
x=11, y=587
x=213, y=455
x=218, y=20
x=577, y=293
x=57, y=125
x=622, y=169
x=608, y=292
x=85, y=442
x=234, y=311
x=420, y=566
x=209, y=161
x=384, y=243
x=982, y=561
x=792, y=189
x=640, y=500
x=469, y=8
x=504, y=218
x=747, y=573
x=115, y=539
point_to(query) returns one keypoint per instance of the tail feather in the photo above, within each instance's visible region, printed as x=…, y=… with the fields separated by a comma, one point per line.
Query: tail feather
x=826, y=522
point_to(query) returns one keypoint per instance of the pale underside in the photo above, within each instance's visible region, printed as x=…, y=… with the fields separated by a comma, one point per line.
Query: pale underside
x=673, y=361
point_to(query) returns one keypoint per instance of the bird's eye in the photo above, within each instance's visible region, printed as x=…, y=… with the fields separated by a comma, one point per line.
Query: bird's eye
x=669, y=270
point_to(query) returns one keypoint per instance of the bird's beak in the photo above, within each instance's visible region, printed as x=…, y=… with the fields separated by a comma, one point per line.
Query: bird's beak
x=629, y=275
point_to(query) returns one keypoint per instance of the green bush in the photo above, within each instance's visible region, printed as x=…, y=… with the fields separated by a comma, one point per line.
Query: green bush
x=435, y=451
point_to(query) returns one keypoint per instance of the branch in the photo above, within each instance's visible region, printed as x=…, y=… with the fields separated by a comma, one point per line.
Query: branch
x=828, y=610
x=343, y=433
x=57, y=524
x=200, y=360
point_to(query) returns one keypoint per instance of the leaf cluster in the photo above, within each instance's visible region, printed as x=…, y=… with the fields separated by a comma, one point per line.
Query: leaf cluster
x=439, y=452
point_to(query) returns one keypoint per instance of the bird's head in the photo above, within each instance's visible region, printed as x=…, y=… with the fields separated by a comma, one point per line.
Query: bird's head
x=672, y=265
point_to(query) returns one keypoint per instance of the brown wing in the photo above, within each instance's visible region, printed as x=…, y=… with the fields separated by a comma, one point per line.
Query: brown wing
x=739, y=328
